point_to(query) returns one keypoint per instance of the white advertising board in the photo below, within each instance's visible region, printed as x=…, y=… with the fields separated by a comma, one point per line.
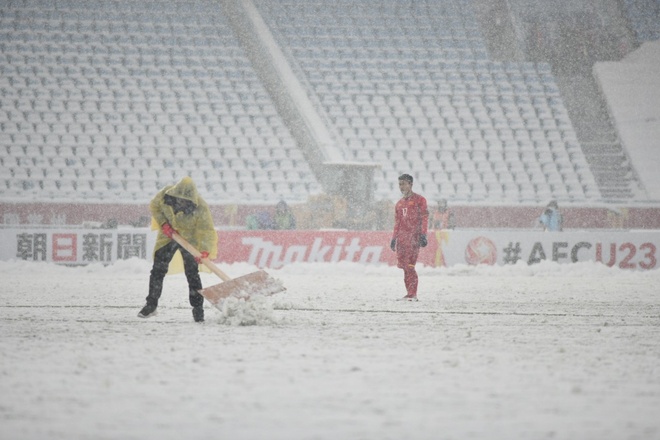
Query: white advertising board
x=76, y=246
x=636, y=250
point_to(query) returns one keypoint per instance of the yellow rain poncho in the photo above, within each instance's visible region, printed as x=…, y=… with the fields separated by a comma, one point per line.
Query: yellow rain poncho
x=196, y=226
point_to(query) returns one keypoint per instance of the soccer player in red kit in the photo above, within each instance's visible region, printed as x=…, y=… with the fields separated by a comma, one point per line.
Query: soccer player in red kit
x=411, y=217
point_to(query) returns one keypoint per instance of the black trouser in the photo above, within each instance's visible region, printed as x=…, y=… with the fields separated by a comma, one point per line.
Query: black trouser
x=162, y=259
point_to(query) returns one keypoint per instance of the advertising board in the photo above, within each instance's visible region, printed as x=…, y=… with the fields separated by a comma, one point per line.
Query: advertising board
x=274, y=249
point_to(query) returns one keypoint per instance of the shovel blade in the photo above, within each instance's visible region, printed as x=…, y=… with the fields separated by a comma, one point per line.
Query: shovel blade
x=246, y=286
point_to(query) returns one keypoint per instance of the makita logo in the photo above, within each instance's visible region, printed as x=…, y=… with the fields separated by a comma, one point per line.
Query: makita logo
x=268, y=254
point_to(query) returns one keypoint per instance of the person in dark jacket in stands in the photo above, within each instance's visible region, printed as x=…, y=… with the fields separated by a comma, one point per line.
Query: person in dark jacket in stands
x=284, y=218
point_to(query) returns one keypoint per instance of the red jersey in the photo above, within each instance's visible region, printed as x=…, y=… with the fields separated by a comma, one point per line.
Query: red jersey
x=411, y=217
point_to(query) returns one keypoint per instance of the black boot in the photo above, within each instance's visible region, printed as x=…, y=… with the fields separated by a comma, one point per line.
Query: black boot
x=147, y=311
x=198, y=313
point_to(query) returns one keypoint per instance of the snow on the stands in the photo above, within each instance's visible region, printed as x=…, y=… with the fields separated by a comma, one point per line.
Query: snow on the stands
x=546, y=351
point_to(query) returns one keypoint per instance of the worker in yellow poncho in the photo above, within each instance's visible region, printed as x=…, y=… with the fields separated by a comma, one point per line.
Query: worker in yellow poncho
x=179, y=208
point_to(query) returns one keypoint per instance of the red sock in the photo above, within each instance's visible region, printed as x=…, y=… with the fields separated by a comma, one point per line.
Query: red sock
x=410, y=279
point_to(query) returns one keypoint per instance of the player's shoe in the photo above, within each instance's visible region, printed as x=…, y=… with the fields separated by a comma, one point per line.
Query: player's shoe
x=409, y=298
x=147, y=311
x=198, y=313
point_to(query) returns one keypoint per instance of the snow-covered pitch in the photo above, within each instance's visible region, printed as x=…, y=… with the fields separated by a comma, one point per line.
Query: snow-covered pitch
x=521, y=352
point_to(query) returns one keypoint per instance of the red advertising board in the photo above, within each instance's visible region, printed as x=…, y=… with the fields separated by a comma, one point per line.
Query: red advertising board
x=275, y=249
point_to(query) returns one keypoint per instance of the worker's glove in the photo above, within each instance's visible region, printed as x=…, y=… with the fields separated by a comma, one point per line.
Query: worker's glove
x=423, y=241
x=393, y=244
x=167, y=229
x=203, y=255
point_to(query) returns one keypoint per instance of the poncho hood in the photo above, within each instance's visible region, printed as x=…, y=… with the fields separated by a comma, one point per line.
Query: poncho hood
x=185, y=189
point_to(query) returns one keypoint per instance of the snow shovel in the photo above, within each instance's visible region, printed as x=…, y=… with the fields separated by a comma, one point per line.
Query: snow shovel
x=255, y=283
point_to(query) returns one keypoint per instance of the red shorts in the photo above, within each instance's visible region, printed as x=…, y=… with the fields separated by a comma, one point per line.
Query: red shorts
x=406, y=256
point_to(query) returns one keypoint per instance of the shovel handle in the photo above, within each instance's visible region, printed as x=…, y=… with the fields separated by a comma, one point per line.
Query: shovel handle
x=195, y=253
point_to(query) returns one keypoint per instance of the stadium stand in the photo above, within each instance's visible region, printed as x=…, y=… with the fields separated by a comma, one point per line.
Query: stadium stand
x=632, y=89
x=397, y=79
x=109, y=101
